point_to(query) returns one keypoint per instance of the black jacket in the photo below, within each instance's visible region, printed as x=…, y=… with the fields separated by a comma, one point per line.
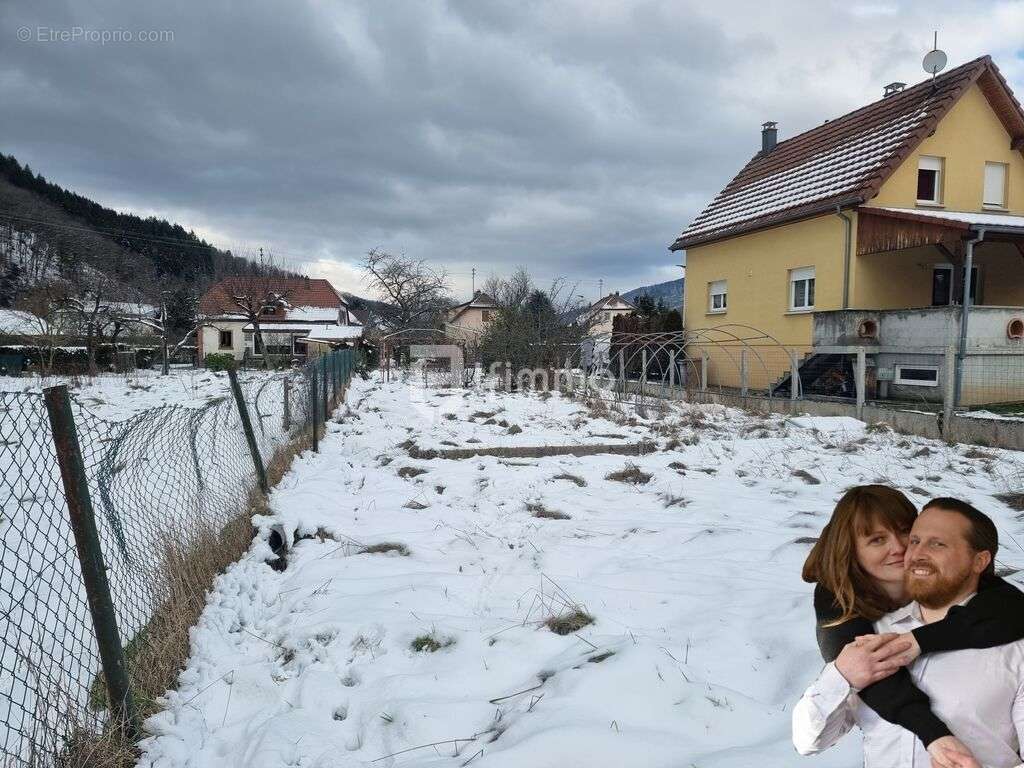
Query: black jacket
x=995, y=616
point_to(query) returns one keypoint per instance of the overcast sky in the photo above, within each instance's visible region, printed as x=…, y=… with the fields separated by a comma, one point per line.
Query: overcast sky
x=576, y=138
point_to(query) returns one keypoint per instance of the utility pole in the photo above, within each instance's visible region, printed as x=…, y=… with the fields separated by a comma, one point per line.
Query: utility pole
x=600, y=288
x=474, y=280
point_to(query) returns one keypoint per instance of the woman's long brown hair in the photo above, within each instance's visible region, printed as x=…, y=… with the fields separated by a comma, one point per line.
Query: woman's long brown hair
x=832, y=561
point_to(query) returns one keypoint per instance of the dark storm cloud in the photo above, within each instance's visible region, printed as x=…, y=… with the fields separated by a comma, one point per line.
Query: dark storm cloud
x=576, y=138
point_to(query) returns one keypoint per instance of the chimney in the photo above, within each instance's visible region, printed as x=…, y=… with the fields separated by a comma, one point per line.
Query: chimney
x=893, y=88
x=769, y=135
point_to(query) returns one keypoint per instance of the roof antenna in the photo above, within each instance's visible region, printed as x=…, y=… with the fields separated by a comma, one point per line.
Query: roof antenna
x=934, y=61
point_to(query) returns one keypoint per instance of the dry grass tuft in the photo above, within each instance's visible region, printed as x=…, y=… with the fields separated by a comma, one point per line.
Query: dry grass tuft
x=571, y=478
x=974, y=453
x=88, y=750
x=631, y=474
x=567, y=623
x=413, y=504
x=189, y=561
x=671, y=500
x=431, y=643
x=806, y=476
x=384, y=548
x=514, y=429
x=409, y=472
x=1014, y=501
x=539, y=510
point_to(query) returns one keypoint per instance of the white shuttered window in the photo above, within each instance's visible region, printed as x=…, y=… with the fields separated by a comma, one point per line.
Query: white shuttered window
x=801, y=289
x=718, y=296
x=995, y=185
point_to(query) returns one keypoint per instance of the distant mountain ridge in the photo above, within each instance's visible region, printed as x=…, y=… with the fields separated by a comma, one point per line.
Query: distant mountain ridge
x=671, y=292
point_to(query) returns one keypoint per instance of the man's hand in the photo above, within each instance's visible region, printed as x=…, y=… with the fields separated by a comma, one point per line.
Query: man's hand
x=950, y=752
x=871, y=658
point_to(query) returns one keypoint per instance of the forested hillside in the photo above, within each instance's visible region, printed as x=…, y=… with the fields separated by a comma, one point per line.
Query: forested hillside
x=48, y=233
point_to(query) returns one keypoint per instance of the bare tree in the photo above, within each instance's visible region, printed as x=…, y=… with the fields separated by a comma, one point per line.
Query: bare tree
x=162, y=313
x=416, y=295
x=255, y=294
x=41, y=312
x=534, y=328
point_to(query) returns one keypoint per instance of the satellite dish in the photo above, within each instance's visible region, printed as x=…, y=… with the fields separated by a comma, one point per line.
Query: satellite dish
x=934, y=62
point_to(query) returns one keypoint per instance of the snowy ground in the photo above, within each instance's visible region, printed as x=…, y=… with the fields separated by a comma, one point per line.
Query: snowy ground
x=703, y=632
x=117, y=396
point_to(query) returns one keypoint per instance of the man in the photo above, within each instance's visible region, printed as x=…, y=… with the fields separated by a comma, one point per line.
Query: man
x=979, y=693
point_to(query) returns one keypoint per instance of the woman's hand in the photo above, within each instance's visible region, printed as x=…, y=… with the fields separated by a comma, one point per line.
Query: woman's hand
x=871, y=658
x=950, y=752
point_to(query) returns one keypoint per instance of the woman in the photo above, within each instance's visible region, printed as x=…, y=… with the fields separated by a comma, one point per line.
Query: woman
x=857, y=565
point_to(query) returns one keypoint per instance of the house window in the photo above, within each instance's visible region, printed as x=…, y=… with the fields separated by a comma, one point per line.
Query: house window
x=267, y=311
x=801, y=289
x=917, y=375
x=718, y=296
x=929, y=180
x=995, y=185
x=606, y=317
x=486, y=315
x=226, y=342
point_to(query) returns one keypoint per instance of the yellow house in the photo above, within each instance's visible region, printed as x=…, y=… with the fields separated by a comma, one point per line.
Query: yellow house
x=860, y=234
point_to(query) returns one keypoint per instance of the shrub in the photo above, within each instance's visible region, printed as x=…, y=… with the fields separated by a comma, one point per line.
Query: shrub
x=219, y=361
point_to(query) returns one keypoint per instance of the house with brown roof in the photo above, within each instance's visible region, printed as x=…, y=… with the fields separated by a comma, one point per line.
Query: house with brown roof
x=898, y=226
x=469, y=319
x=293, y=314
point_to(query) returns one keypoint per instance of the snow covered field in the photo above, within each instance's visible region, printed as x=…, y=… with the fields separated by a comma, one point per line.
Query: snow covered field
x=702, y=635
x=118, y=396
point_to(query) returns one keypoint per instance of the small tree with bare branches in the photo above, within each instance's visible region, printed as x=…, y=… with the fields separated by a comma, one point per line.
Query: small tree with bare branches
x=415, y=294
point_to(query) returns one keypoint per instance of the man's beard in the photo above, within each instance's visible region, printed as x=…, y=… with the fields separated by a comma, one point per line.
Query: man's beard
x=935, y=591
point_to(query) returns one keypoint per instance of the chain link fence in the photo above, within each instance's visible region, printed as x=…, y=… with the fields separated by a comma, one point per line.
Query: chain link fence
x=168, y=471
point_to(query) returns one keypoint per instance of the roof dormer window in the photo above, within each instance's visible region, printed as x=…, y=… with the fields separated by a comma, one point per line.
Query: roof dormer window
x=929, y=180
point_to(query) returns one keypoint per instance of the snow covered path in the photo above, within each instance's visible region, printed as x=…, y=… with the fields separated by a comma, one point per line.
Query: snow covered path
x=703, y=632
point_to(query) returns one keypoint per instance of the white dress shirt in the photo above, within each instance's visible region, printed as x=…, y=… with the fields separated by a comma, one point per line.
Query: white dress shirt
x=977, y=692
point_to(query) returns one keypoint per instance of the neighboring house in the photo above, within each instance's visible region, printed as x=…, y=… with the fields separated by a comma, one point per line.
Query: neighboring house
x=293, y=308
x=830, y=237
x=602, y=313
x=469, y=319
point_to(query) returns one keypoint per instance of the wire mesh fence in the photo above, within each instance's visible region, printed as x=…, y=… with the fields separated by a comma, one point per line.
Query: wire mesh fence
x=167, y=471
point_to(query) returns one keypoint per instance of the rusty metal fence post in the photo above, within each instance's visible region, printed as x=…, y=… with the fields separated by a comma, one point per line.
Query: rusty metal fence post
x=90, y=556
x=250, y=436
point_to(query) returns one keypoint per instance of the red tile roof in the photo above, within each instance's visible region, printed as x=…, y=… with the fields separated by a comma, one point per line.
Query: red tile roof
x=845, y=161
x=297, y=291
